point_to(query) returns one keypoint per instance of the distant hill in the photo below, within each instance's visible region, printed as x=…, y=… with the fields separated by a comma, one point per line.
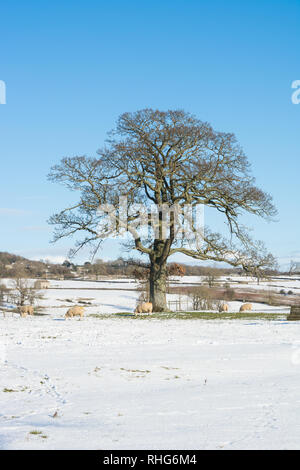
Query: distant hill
x=8, y=258
x=12, y=265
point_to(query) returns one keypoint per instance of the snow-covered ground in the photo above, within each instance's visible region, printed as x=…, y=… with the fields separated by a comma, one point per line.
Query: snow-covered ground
x=112, y=296
x=274, y=284
x=126, y=383
x=140, y=383
x=113, y=301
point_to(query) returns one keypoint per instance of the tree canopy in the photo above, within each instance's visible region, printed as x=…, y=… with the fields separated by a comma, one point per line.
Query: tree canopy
x=166, y=158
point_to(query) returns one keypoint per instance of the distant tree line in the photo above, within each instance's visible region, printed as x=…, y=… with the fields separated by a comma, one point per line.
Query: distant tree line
x=12, y=265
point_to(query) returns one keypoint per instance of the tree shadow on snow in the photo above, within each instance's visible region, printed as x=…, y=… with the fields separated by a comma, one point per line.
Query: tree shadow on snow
x=120, y=307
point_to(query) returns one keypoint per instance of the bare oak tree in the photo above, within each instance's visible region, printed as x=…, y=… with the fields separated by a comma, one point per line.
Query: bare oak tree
x=166, y=158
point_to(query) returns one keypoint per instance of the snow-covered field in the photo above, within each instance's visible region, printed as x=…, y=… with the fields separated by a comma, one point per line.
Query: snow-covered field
x=107, y=297
x=273, y=284
x=132, y=383
x=128, y=383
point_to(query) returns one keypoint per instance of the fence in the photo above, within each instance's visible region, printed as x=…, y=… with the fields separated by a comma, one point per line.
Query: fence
x=180, y=305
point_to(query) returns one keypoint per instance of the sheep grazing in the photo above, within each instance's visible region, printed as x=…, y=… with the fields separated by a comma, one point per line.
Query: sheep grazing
x=223, y=308
x=30, y=310
x=26, y=310
x=245, y=307
x=76, y=311
x=144, y=307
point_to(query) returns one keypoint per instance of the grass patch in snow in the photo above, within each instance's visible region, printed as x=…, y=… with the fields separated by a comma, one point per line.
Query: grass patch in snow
x=196, y=316
x=11, y=390
x=35, y=432
x=217, y=316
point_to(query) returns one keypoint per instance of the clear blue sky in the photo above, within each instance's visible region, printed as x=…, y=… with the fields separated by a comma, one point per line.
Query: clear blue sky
x=71, y=67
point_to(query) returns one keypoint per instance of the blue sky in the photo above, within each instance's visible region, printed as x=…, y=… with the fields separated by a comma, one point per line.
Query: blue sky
x=72, y=67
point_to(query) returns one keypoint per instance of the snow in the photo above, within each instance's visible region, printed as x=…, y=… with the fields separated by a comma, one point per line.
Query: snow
x=242, y=282
x=126, y=383
x=125, y=283
x=56, y=302
x=120, y=295
x=142, y=383
x=78, y=284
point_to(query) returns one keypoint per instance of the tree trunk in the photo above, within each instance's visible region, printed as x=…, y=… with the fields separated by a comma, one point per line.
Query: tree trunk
x=158, y=284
